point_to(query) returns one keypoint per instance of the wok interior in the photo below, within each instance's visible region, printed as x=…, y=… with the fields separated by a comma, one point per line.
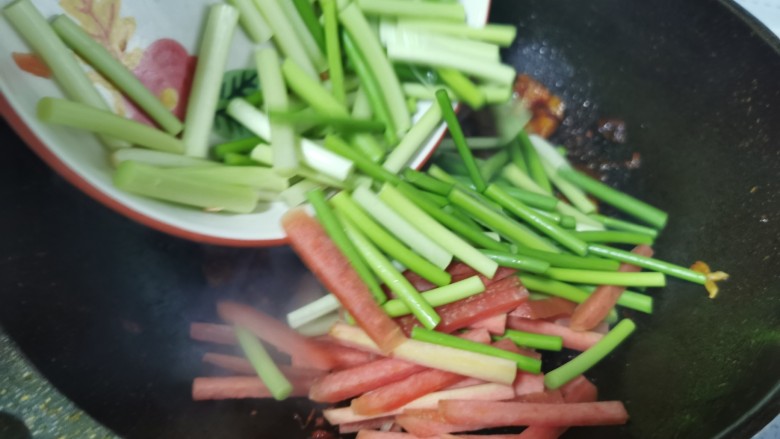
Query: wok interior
x=101, y=305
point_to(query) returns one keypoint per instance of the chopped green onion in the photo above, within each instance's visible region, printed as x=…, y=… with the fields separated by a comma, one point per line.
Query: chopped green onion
x=303, y=35
x=314, y=310
x=311, y=91
x=418, y=50
x=99, y=58
x=647, y=279
x=581, y=363
x=480, y=366
x=325, y=161
x=307, y=14
x=459, y=214
x=532, y=199
x=369, y=146
x=424, y=91
x=265, y=367
x=387, y=242
x=636, y=301
x=320, y=326
x=411, y=104
x=255, y=98
x=443, y=236
x=500, y=34
x=435, y=171
x=564, y=260
x=351, y=85
x=613, y=317
x=368, y=45
x=340, y=123
x=361, y=107
x=567, y=222
x=329, y=163
x=527, y=364
x=477, y=51
x=516, y=152
x=563, y=290
x=204, y=95
x=614, y=237
x=333, y=50
x=575, y=195
x=648, y=263
x=510, y=118
x=426, y=182
x=70, y=76
x=282, y=136
x=554, y=157
x=463, y=87
x=460, y=140
x=157, y=183
x=442, y=175
x=266, y=195
x=401, y=228
x=628, y=299
x=473, y=142
x=262, y=154
x=499, y=222
x=235, y=159
x=372, y=88
x=517, y=208
x=521, y=179
x=362, y=162
x=534, y=162
x=549, y=216
x=494, y=164
x=240, y=146
x=436, y=200
x=401, y=8
x=250, y=117
x=254, y=176
x=317, y=177
x=641, y=210
x=584, y=222
x=522, y=263
x=285, y=35
x=472, y=233
x=413, y=140
x=77, y=115
x=331, y=225
x=494, y=94
x=295, y=195
x=390, y=276
x=497, y=94
x=157, y=158
x=449, y=167
x=536, y=341
x=252, y=21
x=439, y=296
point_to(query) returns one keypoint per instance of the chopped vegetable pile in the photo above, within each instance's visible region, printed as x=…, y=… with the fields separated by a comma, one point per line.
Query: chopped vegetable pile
x=446, y=286
x=361, y=74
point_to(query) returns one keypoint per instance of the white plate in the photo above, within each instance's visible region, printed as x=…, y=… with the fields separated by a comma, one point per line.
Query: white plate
x=78, y=156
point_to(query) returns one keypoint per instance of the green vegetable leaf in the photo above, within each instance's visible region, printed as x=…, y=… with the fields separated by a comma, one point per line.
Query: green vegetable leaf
x=240, y=83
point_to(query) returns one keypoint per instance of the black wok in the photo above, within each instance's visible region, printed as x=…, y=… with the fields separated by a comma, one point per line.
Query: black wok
x=100, y=305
